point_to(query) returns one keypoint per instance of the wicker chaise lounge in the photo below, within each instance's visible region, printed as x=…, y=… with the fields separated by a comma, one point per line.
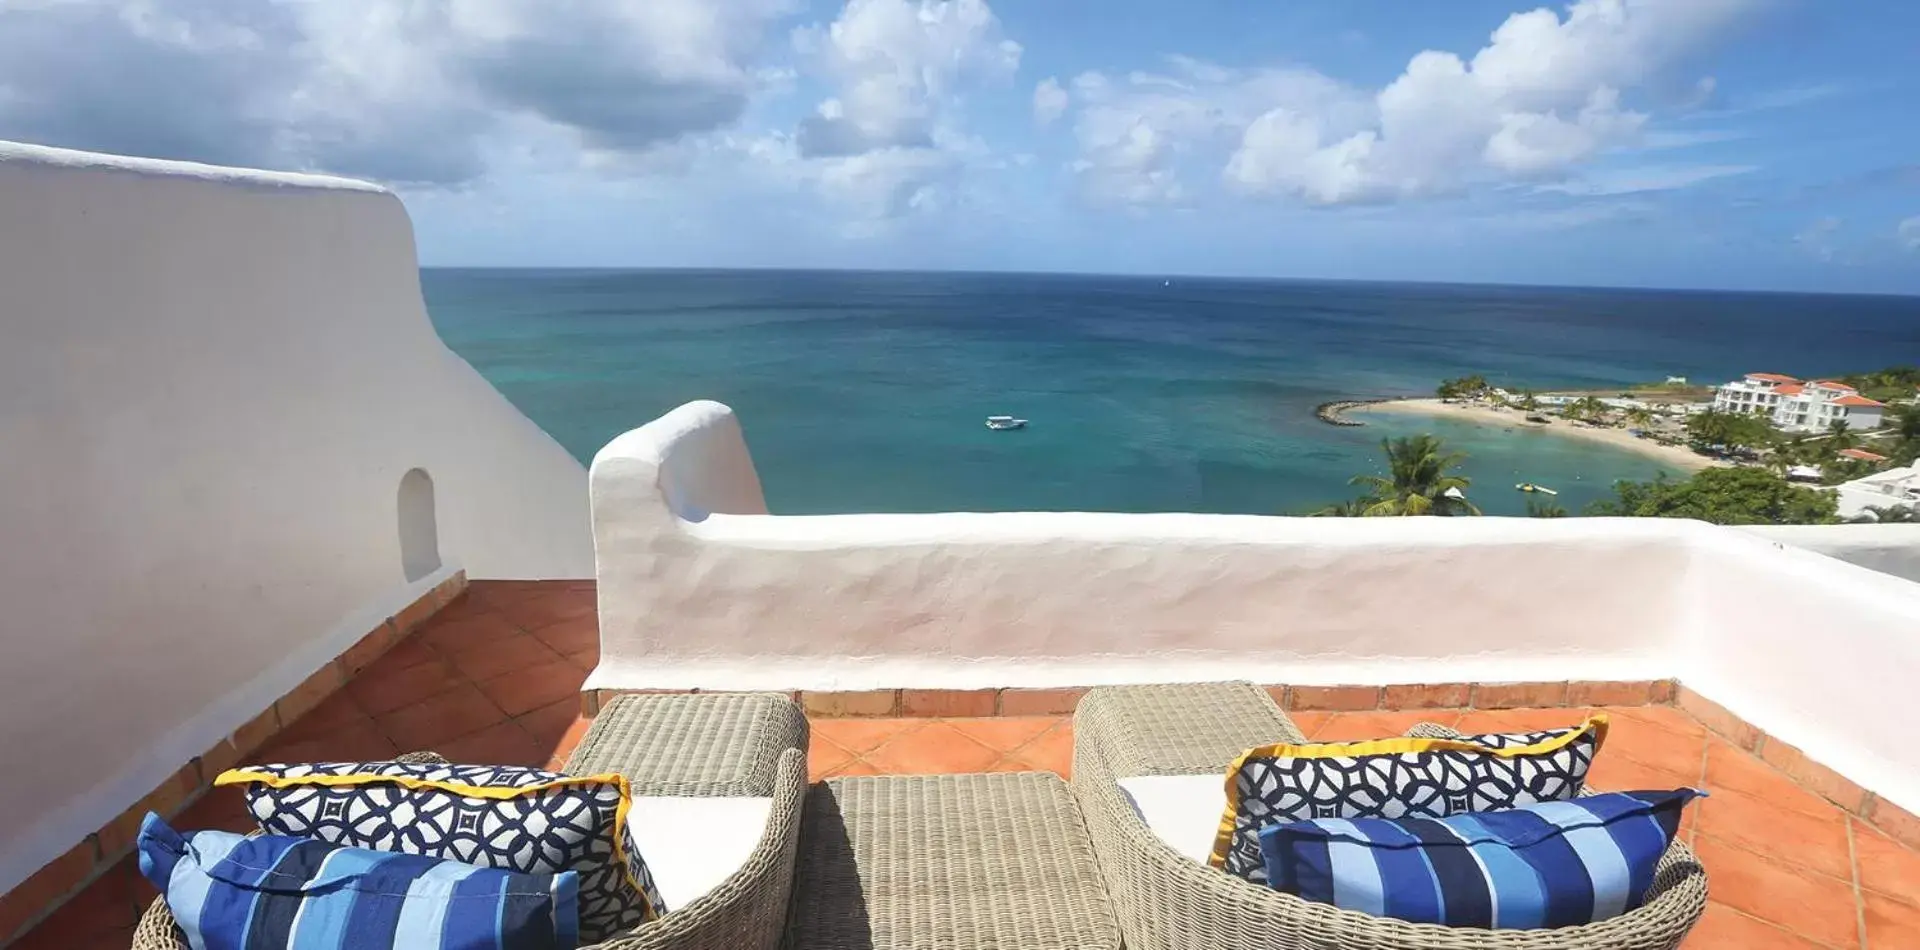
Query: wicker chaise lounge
x=702, y=746
x=1166, y=900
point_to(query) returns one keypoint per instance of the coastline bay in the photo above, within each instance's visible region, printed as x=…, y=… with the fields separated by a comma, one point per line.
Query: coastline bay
x=868, y=391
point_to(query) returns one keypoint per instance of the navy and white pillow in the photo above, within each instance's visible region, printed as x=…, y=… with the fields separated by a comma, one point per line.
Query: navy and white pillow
x=1395, y=778
x=517, y=819
x=1545, y=865
x=272, y=892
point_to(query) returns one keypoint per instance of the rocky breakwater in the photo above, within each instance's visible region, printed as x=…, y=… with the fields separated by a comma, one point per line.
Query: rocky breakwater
x=1334, y=413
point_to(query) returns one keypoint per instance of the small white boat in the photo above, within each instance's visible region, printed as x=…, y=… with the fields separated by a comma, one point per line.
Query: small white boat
x=1542, y=489
x=1005, y=422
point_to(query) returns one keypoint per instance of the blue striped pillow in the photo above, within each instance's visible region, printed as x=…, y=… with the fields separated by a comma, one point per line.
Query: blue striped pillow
x=268, y=892
x=1550, y=864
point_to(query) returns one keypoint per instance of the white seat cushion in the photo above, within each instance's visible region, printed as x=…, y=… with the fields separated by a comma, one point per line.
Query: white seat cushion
x=1182, y=810
x=693, y=844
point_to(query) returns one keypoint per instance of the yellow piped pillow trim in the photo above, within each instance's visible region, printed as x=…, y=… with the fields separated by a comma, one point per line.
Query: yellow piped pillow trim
x=1400, y=745
x=502, y=793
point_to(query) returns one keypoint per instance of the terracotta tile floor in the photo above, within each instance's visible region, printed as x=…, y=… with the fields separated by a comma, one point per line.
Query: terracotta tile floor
x=494, y=679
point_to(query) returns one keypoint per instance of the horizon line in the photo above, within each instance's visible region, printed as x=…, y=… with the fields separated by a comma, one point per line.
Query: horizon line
x=1220, y=278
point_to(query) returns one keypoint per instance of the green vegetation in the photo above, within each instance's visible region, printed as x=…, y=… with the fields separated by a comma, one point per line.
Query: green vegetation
x=1466, y=387
x=1543, y=509
x=1681, y=391
x=1722, y=496
x=1419, y=482
x=1902, y=445
x=1731, y=431
x=1888, y=514
x=1586, y=407
x=1342, y=509
x=1894, y=382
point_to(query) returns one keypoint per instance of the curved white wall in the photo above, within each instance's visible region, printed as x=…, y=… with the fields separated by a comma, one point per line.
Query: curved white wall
x=699, y=587
x=211, y=385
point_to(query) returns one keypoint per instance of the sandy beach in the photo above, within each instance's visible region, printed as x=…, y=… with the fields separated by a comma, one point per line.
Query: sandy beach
x=1677, y=456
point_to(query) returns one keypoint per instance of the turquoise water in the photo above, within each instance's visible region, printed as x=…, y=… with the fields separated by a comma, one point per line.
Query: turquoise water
x=867, y=391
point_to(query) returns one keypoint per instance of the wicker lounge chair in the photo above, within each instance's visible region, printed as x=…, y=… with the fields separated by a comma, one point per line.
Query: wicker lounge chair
x=1167, y=901
x=947, y=862
x=714, y=745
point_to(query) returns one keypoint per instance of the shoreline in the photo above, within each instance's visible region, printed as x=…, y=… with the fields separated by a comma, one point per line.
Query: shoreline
x=1677, y=456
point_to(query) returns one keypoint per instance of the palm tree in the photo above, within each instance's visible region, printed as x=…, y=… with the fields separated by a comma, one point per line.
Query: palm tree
x=1541, y=509
x=1639, y=417
x=1418, y=482
x=1905, y=423
x=1586, y=407
x=1839, y=438
x=1342, y=509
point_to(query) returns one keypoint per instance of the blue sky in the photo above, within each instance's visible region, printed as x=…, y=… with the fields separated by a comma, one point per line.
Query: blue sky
x=1765, y=144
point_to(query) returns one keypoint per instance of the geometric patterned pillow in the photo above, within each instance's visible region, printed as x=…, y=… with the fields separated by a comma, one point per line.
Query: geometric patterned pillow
x=516, y=819
x=1395, y=778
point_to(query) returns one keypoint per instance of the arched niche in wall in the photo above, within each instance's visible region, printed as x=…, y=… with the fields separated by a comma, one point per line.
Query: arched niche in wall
x=419, y=532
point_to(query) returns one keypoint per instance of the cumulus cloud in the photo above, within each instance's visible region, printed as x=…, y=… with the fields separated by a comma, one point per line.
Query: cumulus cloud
x=888, y=141
x=389, y=89
x=1544, y=95
x=1141, y=136
x=1050, y=101
x=895, y=64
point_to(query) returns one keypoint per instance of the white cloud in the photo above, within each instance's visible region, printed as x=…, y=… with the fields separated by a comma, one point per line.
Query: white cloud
x=1909, y=233
x=1790, y=97
x=888, y=143
x=1534, y=143
x=1050, y=101
x=895, y=64
x=1140, y=136
x=1817, y=238
x=1651, y=178
x=389, y=89
x=1542, y=96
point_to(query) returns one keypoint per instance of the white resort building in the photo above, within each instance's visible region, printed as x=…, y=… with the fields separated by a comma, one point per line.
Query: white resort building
x=252, y=509
x=1798, y=406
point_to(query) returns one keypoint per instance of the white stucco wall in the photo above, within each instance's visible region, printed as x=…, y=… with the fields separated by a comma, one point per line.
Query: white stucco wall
x=1817, y=652
x=211, y=385
x=699, y=587
x=1888, y=548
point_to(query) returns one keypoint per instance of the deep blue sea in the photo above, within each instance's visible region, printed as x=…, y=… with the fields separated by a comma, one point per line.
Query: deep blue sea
x=867, y=391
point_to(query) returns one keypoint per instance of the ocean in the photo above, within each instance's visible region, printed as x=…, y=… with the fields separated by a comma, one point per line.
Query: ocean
x=867, y=391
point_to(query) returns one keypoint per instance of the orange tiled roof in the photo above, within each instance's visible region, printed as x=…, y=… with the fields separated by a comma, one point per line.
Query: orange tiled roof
x=1789, y=389
x=1863, y=455
x=1773, y=377
x=1830, y=384
x=1856, y=401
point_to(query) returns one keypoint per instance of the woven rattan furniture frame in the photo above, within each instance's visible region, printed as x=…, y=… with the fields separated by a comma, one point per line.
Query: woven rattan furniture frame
x=712, y=745
x=947, y=862
x=1167, y=901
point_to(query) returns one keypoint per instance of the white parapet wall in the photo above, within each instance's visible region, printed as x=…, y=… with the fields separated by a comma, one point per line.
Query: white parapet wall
x=230, y=443
x=1888, y=548
x=700, y=587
